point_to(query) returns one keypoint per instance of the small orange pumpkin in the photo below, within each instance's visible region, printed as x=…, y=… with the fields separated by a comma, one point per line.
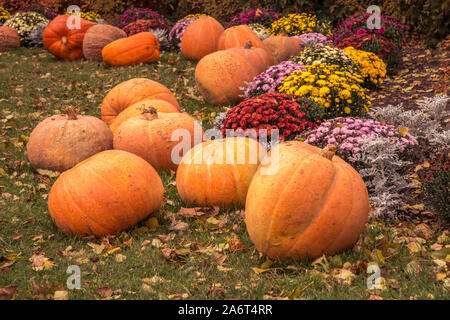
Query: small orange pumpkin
x=97, y=37
x=64, y=40
x=149, y=136
x=142, y=47
x=136, y=109
x=201, y=37
x=221, y=75
x=61, y=141
x=131, y=91
x=314, y=204
x=283, y=47
x=9, y=39
x=218, y=172
x=105, y=194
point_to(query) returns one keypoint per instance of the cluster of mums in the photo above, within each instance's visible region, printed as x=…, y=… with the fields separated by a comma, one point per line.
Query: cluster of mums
x=289, y=74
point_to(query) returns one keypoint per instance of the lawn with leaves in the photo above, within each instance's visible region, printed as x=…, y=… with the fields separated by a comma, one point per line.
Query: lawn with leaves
x=179, y=253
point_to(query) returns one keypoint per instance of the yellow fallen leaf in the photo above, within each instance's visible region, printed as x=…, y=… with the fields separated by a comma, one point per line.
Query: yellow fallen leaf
x=61, y=295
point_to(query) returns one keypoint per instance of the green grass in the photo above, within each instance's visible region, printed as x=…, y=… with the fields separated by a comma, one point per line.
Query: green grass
x=33, y=86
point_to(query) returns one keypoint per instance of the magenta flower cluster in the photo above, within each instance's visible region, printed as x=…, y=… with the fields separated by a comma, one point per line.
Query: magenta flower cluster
x=260, y=15
x=314, y=39
x=269, y=80
x=134, y=14
x=36, y=7
x=347, y=134
x=176, y=33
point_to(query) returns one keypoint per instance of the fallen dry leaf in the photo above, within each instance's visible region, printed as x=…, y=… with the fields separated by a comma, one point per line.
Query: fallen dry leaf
x=8, y=292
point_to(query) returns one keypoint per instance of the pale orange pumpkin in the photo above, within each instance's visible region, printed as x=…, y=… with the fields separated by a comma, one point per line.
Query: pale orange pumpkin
x=222, y=75
x=201, y=37
x=283, y=47
x=61, y=141
x=131, y=91
x=142, y=47
x=105, y=194
x=313, y=204
x=218, y=172
x=149, y=136
x=9, y=39
x=136, y=109
x=97, y=37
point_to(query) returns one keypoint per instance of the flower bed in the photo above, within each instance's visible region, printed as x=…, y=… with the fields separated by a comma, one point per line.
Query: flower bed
x=134, y=14
x=24, y=22
x=261, y=16
x=296, y=24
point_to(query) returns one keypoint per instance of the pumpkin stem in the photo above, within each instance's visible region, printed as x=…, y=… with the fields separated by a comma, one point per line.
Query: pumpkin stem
x=248, y=45
x=64, y=40
x=329, y=151
x=150, y=113
x=71, y=113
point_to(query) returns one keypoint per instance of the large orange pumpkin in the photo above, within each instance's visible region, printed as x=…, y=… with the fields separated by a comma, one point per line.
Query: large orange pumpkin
x=314, y=204
x=64, y=40
x=201, y=37
x=238, y=36
x=97, y=37
x=283, y=47
x=9, y=39
x=61, y=141
x=150, y=137
x=106, y=193
x=136, y=109
x=131, y=91
x=218, y=172
x=142, y=47
x=222, y=75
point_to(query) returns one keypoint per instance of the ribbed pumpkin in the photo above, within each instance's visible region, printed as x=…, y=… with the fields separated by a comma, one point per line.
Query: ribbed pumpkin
x=106, y=193
x=142, y=47
x=9, y=39
x=61, y=141
x=238, y=36
x=218, y=172
x=150, y=137
x=314, y=204
x=65, y=43
x=283, y=47
x=221, y=75
x=97, y=37
x=201, y=37
x=136, y=109
x=131, y=91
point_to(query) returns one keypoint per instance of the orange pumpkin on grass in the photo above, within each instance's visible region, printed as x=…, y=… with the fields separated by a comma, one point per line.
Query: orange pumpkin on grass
x=314, y=204
x=105, y=194
x=61, y=141
x=65, y=40
x=218, y=172
x=149, y=136
x=130, y=92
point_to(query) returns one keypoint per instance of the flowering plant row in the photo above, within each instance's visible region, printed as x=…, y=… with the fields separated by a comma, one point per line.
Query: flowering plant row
x=261, y=16
x=134, y=14
x=23, y=23
x=296, y=24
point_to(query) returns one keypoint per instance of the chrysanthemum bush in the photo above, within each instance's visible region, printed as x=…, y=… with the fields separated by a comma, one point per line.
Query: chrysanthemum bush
x=349, y=133
x=371, y=67
x=377, y=44
x=134, y=14
x=260, y=30
x=24, y=22
x=36, y=7
x=339, y=92
x=177, y=31
x=296, y=24
x=314, y=39
x=270, y=79
x=4, y=15
x=326, y=54
x=436, y=183
x=390, y=28
x=261, y=16
x=89, y=15
x=140, y=26
x=290, y=115
x=35, y=38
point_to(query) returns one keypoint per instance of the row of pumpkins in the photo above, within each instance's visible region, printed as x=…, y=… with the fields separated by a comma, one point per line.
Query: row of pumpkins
x=312, y=203
x=227, y=58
